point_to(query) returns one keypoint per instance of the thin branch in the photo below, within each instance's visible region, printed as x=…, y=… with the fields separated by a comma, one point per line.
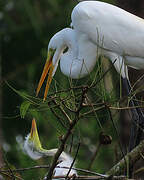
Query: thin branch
x=6, y=173
x=94, y=155
x=71, y=126
x=73, y=160
x=10, y=170
x=64, y=113
x=84, y=86
x=94, y=178
x=47, y=166
x=10, y=176
x=71, y=110
x=27, y=169
x=118, y=135
x=95, y=84
x=132, y=157
x=57, y=116
x=92, y=111
x=125, y=108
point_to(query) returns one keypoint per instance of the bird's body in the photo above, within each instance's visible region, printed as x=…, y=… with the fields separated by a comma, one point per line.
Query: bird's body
x=110, y=27
x=33, y=148
x=98, y=29
x=117, y=33
x=75, y=62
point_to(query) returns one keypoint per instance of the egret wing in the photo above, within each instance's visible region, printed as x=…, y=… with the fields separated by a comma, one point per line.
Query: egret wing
x=110, y=27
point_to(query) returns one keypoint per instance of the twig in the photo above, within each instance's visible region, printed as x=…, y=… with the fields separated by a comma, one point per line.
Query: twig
x=93, y=178
x=10, y=170
x=94, y=155
x=26, y=169
x=47, y=166
x=92, y=111
x=73, y=160
x=95, y=84
x=84, y=86
x=57, y=116
x=124, y=108
x=64, y=113
x=9, y=175
x=118, y=135
x=71, y=126
x=132, y=157
x=71, y=110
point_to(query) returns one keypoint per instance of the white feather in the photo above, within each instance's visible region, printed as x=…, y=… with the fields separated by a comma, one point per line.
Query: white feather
x=30, y=149
x=64, y=160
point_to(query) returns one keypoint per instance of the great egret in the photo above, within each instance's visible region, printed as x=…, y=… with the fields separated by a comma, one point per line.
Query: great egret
x=32, y=146
x=98, y=29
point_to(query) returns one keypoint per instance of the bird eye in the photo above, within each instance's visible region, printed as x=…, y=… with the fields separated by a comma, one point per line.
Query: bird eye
x=65, y=50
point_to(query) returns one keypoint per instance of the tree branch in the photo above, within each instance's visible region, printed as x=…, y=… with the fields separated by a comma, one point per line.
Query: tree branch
x=131, y=158
x=64, y=139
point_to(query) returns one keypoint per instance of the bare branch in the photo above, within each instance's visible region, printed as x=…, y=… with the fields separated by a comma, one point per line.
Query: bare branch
x=64, y=139
x=131, y=158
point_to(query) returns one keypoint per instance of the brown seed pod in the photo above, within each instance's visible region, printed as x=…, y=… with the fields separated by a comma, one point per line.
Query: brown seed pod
x=104, y=138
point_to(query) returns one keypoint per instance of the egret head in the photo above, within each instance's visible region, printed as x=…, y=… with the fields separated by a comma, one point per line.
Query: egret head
x=57, y=45
x=32, y=144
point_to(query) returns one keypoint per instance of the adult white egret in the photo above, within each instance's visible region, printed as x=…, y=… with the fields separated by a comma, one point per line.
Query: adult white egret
x=32, y=146
x=98, y=29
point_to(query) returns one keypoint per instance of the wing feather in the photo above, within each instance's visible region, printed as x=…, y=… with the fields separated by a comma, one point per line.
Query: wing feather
x=110, y=27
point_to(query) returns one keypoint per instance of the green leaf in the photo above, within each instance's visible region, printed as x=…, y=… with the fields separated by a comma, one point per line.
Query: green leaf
x=24, y=108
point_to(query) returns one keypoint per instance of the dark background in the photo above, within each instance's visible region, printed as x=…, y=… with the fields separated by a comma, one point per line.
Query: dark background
x=25, y=30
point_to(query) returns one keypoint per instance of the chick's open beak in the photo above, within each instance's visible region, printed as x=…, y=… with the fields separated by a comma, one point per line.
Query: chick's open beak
x=34, y=135
x=33, y=132
x=49, y=67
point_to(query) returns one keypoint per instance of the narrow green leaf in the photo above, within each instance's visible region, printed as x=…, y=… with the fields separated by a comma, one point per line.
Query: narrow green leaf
x=24, y=108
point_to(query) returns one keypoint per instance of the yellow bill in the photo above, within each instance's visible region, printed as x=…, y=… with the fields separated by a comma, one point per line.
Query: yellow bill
x=34, y=134
x=48, y=69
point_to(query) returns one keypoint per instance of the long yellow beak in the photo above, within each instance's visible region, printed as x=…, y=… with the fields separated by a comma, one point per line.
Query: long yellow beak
x=47, y=68
x=33, y=132
x=34, y=135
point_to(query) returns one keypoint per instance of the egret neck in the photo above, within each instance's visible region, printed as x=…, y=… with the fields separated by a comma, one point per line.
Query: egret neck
x=58, y=43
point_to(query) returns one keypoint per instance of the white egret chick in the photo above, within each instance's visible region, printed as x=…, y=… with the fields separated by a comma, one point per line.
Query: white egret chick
x=33, y=148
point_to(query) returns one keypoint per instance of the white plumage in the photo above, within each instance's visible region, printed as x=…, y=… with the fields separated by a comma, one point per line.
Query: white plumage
x=110, y=27
x=33, y=148
x=98, y=29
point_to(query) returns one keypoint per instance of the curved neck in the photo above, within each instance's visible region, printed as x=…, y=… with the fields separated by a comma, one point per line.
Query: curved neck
x=69, y=40
x=65, y=38
x=77, y=64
